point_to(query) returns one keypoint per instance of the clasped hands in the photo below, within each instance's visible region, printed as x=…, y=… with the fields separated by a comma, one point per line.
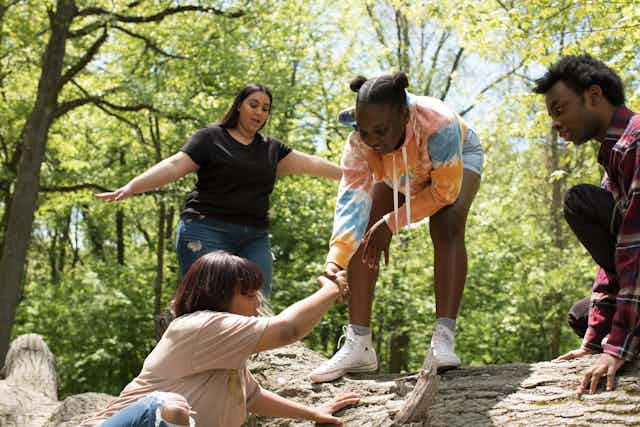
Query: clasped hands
x=375, y=242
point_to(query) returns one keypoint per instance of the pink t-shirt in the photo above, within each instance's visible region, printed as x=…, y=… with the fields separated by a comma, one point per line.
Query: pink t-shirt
x=201, y=356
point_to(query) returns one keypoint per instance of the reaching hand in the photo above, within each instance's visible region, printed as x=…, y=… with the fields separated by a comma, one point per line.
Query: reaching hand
x=607, y=365
x=574, y=354
x=375, y=241
x=120, y=194
x=339, y=276
x=324, y=412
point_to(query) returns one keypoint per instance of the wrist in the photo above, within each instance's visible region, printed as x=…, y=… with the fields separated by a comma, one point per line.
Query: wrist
x=332, y=266
x=333, y=288
x=129, y=188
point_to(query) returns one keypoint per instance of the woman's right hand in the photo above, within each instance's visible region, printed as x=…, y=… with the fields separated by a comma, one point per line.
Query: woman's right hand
x=114, y=196
x=336, y=274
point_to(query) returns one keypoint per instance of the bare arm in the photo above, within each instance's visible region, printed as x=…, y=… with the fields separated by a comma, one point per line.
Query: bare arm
x=297, y=320
x=168, y=170
x=297, y=162
x=271, y=405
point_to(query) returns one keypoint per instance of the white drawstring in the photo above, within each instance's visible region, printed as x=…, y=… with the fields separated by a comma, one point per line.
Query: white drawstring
x=395, y=192
x=407, y=186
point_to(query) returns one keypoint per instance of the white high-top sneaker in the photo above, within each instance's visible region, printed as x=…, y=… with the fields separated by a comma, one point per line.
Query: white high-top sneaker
x=443, y=344
x=356, y=355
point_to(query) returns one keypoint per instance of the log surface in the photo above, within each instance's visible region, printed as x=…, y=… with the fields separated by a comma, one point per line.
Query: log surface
x=518, y=394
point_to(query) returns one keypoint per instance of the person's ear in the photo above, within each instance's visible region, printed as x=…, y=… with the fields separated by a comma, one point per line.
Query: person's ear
x=594, y=96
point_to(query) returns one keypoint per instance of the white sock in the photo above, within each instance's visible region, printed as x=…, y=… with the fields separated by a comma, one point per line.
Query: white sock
x=360, y=330
x=447, y=322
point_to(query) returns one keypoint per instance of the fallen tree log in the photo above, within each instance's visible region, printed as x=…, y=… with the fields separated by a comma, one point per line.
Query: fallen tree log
x=516, y=394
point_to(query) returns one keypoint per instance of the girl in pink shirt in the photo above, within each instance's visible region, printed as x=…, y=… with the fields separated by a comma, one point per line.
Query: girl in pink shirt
x=197, y=372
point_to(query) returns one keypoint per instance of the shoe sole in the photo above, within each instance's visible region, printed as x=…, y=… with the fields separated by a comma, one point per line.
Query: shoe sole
x=443, y=369
x=334, y=375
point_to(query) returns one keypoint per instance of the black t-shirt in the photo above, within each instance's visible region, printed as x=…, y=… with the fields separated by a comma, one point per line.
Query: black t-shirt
x=234, y=180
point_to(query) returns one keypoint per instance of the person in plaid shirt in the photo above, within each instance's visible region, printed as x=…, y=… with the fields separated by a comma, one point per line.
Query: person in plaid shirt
x=585, y=100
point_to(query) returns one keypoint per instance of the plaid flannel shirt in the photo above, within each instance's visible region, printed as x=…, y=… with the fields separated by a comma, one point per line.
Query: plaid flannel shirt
x=615, y=301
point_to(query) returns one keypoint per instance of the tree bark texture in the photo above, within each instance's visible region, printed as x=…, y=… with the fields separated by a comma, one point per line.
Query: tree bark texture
x=517, y=394
x=34, y=140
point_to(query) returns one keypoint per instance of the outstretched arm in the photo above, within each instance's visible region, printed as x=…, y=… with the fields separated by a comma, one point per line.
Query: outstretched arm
x=271, y=405
x=297, y=320
x=168, y=170
x=300, y=163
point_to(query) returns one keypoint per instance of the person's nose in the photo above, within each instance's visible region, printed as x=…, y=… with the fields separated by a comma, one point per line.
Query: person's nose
x=556, y=124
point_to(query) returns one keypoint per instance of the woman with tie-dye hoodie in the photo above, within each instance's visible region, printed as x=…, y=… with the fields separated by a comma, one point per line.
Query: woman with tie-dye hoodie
x=409, y=158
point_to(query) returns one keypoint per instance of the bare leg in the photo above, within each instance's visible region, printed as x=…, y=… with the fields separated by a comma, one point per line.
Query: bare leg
x=362, y=279
x=447, y=228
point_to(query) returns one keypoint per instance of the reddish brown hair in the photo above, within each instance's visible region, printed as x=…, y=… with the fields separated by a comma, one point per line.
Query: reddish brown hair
x=212, y=280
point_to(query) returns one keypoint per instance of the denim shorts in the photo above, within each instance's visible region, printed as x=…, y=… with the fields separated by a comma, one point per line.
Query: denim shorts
x=197, y=235
x=472, y=153
x=146, y=412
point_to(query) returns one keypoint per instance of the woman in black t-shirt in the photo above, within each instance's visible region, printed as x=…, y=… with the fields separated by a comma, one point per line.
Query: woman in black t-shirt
x=236, y=168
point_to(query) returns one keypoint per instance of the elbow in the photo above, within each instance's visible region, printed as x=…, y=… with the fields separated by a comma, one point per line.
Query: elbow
x=288, y=333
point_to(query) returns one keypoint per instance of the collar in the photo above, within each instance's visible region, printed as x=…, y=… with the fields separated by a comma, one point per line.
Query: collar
x=617, y=125
x=619, y=121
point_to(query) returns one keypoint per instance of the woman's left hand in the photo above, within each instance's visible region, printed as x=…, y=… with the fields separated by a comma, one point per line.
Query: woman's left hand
x=375, y=241
x=324, y=412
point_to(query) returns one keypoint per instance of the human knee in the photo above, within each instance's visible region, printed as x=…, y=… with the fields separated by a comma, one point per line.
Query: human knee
x=448, y=225
x=175, y=409
x=574, y=201
x=578, y=317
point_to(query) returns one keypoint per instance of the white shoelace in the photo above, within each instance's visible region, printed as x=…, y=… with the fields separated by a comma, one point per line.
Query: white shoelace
x=443, y=336
x=342, y=352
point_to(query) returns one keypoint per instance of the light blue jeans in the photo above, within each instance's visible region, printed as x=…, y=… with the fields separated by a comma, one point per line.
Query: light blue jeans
x=198, y=235
x=144, y=413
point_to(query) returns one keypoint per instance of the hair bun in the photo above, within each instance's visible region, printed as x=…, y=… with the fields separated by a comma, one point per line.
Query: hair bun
x=400, y=80
x=357, y=82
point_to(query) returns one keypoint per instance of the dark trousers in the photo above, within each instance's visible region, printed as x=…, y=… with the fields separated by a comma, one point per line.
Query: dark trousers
x=590, y=212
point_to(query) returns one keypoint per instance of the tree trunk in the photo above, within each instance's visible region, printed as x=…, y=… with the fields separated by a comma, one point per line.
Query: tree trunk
x=517, y=394
x=557, y=190
x=120, y=248
x=159, y=259
x=557, y=219
x=23, y=203
x=94, y=231
x=154, y=128
x=120, y=236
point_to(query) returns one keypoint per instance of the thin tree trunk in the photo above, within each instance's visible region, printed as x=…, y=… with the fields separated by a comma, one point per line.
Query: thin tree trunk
x=23, y=204
x=154, y=128
x=94, y=232
x=52, y=256
x=64, y=238
x=557, y=191
x=556, y=214
x=120, y=225
x=160, y=259
x=170, y=214
x=120, y=236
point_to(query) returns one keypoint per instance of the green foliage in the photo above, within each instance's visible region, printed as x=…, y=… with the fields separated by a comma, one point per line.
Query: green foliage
x=98, y=322
x=525, y=266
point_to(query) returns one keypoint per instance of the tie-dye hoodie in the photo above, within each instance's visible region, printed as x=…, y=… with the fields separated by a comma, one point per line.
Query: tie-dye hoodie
x=428, y=167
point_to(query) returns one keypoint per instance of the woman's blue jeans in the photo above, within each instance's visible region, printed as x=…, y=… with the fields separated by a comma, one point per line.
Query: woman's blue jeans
x=143, y=413
x=198, y=235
